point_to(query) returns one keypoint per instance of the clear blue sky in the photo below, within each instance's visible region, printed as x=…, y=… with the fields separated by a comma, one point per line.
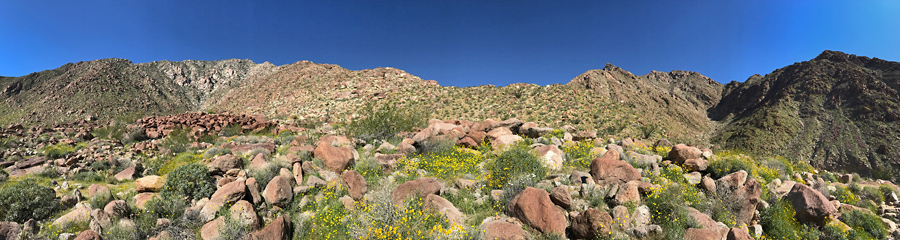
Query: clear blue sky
x=459, y=43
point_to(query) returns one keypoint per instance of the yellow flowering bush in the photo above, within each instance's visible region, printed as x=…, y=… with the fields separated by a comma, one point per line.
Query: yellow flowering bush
x=578, y=154
x=512, y=164
x=449, y=165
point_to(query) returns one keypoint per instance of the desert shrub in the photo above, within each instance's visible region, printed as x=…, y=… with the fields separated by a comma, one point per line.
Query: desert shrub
x=328, y=220
x=872, y=193
x=844, y=195
x=886, y=189
x=177, y=141
x=191, y=181
x=779, y=222
x=133, y=135
x=513, y=164
x=264, y=174
x=730, y=163
x=89, y=177
x=49, y=172
x=828, y=176
x=215, y=151
x=369, y=168
x=667, y=209
x=3, y=175
x=101, y=199
x=232, y=229
x=384, y=121
x=381, y=219
x=578, y=155
x=435, y=146
x=27, y=199
x=59, y=150
x=451, y=164
x=171, y=207
x=475, y=211
x=256, y=151
x=114, y=130
x=865, y=224
x=162, y=165
x=514, y=187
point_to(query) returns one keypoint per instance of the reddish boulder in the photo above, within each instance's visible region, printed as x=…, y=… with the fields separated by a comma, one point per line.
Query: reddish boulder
x=279, y=229
x=681, y=153
x=701, y=234
x=150, y=183
x=502, y=230
x=810, y=205
x=534, y=208
x=551, y=156
x=355, y=183
x=127, y=174
x=10, y=230
x=608, y=170
x=230, y=193
x=738, y=234
x=222, y=164
x=419, y=187
x=591, y=224
x=560, y=196
x=88, y=235
x=445, y=208
x=335, y=159
x=279, y=192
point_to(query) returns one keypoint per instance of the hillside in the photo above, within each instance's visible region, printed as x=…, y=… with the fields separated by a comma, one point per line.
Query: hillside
x=110, y=89
x=837, y=111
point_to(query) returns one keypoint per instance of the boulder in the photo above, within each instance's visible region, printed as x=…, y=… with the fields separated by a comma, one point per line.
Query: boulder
x=702, y=234
x=419, y=187
x=10, y=230
x=100, y=221
x=695, y=164
x=88, y=235
x=278, y=192
x=279, y=229
x=335, y=159
x=534, y=208
x=591, y=223
x=141, y=198
x=707, y=223
x=680, y=153
x=355, y=183
x=242, y=211
x=560, y=196
x=738, y=234
x=81, y=214
x=210, y=230
x=551, y=156
x=810, y=205
x=127, y=174
x=445, y=208
x=620, y=216
x=230, y=193
x=585, y=135
x=259, y=161
x=741, y=193
x=117, y=208
x=253, y=190
x=502, y=230
x=222, y=164
x=150, y=183
x=629, y=193
x=505, y=140
x=609, y=170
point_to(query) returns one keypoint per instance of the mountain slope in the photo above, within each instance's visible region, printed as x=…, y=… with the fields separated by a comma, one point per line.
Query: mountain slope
x=837, y=111
x=678, y=100
x=108, y=89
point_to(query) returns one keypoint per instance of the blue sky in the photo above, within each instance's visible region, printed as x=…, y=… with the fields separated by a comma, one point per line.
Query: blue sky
x=458, y=43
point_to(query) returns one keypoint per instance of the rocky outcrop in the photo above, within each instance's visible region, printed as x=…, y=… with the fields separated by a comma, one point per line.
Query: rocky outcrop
x=534, y=207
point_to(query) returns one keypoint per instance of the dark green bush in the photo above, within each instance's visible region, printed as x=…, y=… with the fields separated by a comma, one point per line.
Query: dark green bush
x=384, y=121
x=667, y=208
x=27, y=199
x=513, y=164
x=265, y=174
x=59, y=150
x=779, y=222
x=171, y=207
x=191, y=181
x=872, y=193
x=177, y=141
x=865, y=224
x=89, y=177
x=725, y=165
x=3, y=175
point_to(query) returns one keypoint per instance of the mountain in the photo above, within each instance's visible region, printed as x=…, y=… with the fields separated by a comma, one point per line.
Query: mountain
x=837, y=111
x=111, y=89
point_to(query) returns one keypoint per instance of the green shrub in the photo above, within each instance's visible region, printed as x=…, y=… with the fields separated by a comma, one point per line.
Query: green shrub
x=3, y=175
x=844, y=195
x=162, y=165
x=828, y=176
x=865, y=224
x=191, y=181
x=369, y=168
x=216, y=151
x=27, y=199
x=579, y=155
x=101, y=199
x=872, y=193
x=452, y=164
x=730, y=163
x=177, y=141
x=89, y=177
x=49, y=172
x=59, y=150
x=384, y=121
x=513, y=164
x=171, y=207
x=779, y=222
x=514, y=187
x=667, y=209
x=265, y=174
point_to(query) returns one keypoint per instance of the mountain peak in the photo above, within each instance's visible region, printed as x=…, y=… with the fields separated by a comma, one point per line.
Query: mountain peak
x=611, y=67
